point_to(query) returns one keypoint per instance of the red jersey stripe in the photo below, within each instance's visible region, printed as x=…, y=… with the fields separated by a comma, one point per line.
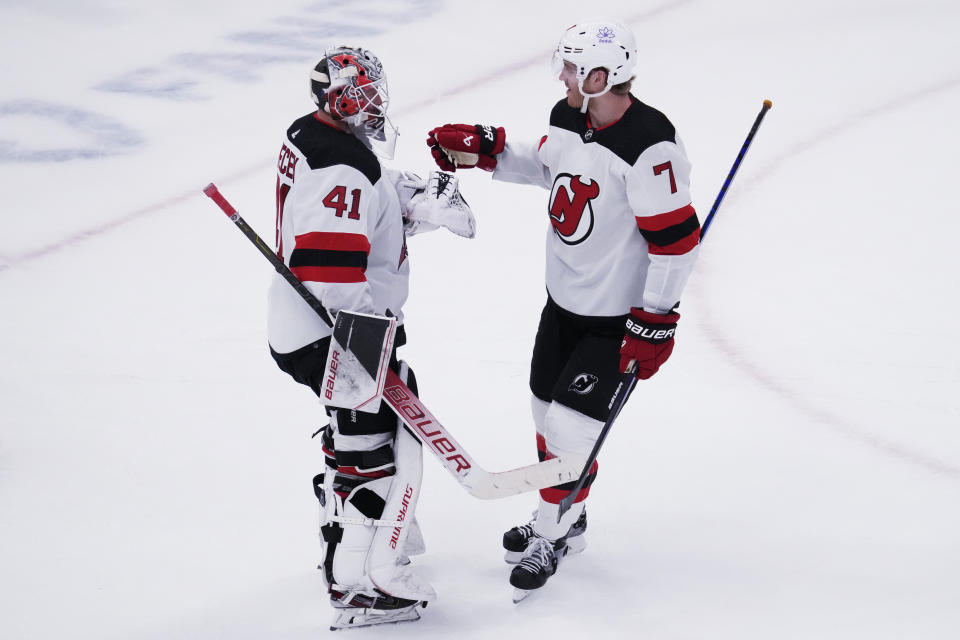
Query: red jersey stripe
x=333, y=241
x=677, y=248
x=330, y=274
x=663, y=220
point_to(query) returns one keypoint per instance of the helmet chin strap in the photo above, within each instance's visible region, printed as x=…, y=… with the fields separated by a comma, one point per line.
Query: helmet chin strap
x=587, y=96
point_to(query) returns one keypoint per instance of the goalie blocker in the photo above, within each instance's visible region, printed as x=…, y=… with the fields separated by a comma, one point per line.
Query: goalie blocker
x=358, y=361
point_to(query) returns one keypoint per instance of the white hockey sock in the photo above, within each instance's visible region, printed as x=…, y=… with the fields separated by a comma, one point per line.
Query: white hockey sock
x=546, y=524
x=570, y=435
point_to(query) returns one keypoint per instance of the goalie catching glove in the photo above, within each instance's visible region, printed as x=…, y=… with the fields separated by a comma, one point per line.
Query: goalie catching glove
x=648, y=341
x=438, y=203
x=466, y=146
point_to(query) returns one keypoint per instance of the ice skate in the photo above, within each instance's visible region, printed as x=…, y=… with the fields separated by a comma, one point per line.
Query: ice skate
x=361, y=610
x=539, y=562
x=355, y=617
x=515, y=540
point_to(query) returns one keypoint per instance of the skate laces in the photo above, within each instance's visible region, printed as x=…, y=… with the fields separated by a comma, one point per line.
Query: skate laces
x=538, y=555
x=526, y=530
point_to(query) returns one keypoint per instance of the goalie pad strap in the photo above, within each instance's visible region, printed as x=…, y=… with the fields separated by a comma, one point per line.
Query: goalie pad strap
x=368, y=503
x=332, y=534
x=326, y=442
x=376, y=600
x=368, y=522
x=366, y=460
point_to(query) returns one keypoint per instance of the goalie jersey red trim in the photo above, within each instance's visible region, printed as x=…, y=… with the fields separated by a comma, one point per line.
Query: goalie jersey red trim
x=330, y=257
x=341, y=229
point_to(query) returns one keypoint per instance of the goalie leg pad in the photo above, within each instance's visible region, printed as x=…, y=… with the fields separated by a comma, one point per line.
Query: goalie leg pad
x=358, y=516
x=415, y=545
x=387, y=564
x=353, y=495
x=377, y=485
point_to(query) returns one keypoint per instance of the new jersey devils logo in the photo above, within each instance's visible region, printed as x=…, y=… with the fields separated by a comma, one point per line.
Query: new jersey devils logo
x=571, y=212
x=583, y=383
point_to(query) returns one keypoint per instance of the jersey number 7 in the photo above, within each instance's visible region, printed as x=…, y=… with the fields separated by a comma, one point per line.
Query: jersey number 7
x=666, y=166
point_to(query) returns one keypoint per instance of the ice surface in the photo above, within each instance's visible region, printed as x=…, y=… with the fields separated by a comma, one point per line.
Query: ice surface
x=792, y=472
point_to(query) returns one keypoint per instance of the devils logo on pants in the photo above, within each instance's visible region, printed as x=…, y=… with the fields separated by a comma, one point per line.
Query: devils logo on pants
x=571, y=212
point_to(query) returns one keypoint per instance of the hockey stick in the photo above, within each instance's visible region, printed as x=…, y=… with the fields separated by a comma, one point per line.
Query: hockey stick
x=627, y=379
x=736, y=165
x=413, y=413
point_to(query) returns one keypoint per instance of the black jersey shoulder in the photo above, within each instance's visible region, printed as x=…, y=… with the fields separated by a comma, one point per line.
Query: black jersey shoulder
x=326, y=146
x=640, y=128
x=566, y=117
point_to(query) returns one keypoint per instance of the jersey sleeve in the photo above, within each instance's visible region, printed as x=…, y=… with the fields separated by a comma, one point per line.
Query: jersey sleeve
x=330, y=217
x=522, y=163
x=658, y=190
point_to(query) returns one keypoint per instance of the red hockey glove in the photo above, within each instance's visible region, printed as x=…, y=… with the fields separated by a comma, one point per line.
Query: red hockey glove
x=466, y=146
x=648, y=340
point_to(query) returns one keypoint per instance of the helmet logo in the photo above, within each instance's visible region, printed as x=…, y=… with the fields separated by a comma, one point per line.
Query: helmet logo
x=605, y=35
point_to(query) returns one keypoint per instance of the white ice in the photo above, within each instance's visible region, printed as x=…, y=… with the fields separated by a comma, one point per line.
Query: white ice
x=792, y=472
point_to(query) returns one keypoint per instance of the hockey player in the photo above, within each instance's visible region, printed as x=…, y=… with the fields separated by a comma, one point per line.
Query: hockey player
x=621, y=242
x=342, y=222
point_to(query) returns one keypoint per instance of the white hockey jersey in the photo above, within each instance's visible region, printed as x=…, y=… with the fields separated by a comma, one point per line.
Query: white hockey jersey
x=623, y=232
x=339, y=229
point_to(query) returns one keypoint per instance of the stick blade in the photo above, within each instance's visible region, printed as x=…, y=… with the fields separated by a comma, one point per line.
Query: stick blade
x=549, y=473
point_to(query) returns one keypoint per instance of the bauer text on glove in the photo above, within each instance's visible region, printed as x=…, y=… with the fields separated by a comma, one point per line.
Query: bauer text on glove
x=466, y=145
x=648, y=340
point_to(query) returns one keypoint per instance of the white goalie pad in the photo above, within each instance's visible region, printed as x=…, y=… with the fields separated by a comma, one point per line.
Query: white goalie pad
x=358, y=361
x=387, y=563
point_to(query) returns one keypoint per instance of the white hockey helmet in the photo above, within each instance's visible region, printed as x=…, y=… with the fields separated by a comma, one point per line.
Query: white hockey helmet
x=350, y=85
x=598, y=44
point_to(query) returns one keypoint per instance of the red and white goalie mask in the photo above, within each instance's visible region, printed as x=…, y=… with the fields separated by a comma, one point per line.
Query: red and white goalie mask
x=350, y=85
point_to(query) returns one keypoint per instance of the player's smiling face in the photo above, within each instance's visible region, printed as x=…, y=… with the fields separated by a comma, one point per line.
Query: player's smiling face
x=568, y=76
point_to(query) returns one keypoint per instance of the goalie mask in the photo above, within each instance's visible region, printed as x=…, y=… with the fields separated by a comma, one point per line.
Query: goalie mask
x=597, y=44
x=350, y=85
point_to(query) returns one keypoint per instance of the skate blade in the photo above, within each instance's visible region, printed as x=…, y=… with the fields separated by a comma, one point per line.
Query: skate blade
x=520, y=594
x=370, y=617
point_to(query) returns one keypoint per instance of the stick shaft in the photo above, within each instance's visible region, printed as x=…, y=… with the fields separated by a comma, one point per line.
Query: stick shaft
x=736, y=165
x=628, y=379
x=214, y=194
